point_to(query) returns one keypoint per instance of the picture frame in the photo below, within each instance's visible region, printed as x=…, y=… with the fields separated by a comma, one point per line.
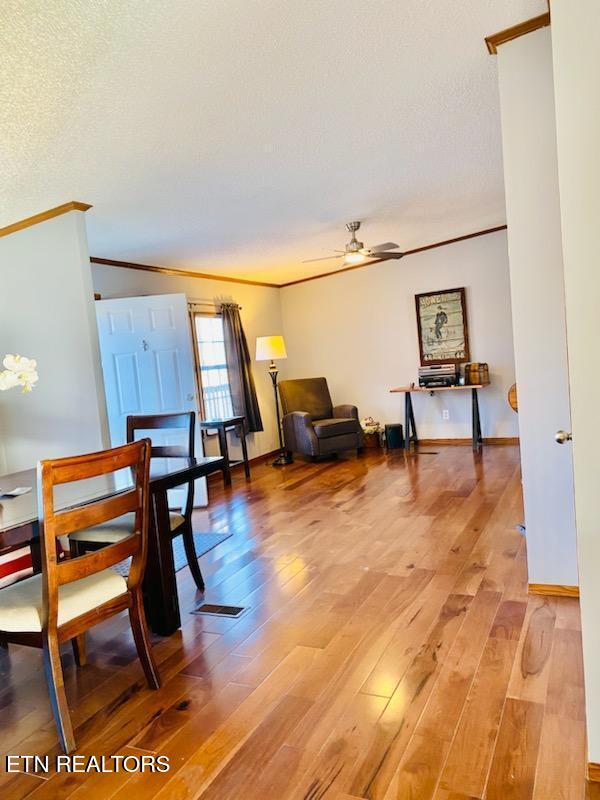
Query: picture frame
x=442, y=327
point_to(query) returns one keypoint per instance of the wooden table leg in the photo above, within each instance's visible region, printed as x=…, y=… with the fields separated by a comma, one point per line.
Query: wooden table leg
x=160, y=583
x=225, y=453
x=36, y=555
x=476, y=421
x=410, y=432
x=242, y=438
x=415, y=438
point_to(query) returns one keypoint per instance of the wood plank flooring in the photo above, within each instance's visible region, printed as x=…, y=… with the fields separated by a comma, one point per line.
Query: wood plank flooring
x=388, y=651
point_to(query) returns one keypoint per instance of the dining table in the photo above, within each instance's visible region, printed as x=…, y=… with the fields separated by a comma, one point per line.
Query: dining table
x=19, y=522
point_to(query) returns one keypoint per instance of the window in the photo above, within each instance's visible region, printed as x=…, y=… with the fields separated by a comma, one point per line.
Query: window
x=213, y=367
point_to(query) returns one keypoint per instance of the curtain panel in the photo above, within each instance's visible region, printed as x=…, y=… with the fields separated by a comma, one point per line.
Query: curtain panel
x=239, y=366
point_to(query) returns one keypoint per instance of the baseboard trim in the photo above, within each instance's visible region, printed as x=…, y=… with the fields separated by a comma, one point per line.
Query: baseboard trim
x=265, y=457
x=554, y=590
x=462, y=442
x=216, y=476
x=593, y=772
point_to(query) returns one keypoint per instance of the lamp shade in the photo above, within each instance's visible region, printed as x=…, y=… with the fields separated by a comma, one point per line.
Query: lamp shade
x=269, y=348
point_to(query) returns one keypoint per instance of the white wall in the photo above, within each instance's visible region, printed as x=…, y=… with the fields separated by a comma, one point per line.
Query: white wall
x=538, y=310
x=576, y=54
x=359, y=330
x=261, y=316
x=47, y=313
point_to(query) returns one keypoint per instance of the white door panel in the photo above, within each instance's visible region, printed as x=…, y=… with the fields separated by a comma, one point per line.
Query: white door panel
x=576, y=67
x=148, y=365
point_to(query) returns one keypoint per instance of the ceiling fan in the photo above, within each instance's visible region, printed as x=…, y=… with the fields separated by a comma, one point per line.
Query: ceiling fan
x=356, y=252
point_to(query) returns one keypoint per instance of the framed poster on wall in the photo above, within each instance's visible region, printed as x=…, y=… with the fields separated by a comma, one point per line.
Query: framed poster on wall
x=442, y=326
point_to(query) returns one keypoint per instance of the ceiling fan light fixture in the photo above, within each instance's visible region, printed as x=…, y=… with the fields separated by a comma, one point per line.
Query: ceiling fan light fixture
x=354, y=258
x=356, y=253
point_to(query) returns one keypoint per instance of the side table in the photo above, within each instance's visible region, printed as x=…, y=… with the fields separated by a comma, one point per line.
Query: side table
x=222, y=426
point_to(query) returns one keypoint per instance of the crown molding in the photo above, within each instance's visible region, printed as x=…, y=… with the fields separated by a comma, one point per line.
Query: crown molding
x=185, y=273
x=180, y=273
x=521, y=29
x=73, y=205
x=407, y=253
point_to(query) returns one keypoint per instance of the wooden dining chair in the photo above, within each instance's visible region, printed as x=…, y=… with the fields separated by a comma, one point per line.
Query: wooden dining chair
x=73, y=595
x=180, y=522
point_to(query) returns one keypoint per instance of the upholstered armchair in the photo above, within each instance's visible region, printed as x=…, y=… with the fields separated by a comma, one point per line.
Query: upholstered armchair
x=312, y=425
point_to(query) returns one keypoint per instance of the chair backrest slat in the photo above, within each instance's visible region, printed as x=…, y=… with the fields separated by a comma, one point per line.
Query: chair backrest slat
x=80, y=468
x=170, y=451
x=97, y=560
x=95, y=513
x=134, y=456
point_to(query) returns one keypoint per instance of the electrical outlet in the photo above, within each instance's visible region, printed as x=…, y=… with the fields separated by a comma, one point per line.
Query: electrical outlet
x=445, y=414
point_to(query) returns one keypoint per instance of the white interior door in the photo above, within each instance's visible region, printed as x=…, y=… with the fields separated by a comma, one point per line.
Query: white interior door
x=148, y=366
x=536, y=269
x=576, y=68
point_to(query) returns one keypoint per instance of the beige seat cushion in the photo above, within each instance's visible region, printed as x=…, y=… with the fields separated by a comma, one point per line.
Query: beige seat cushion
x=116, y=529
x=21, y=603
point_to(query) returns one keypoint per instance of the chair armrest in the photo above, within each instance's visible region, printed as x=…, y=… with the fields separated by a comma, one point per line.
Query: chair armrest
x=299, y=434
x=346, y=411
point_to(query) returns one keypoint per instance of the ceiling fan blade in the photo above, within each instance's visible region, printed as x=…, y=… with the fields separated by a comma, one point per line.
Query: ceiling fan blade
x=385, y=246
x=387, y=256
x=323, y=258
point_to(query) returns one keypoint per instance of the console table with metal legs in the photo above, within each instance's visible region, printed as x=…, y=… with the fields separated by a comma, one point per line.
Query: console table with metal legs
x=410, y=428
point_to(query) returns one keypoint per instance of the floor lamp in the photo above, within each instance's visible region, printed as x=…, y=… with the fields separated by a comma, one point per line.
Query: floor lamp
x=269, y=348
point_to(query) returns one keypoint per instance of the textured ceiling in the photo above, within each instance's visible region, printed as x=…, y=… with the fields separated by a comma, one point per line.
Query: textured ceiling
x=238, y=137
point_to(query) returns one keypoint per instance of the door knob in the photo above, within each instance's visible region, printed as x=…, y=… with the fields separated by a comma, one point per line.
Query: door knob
x=562, y=437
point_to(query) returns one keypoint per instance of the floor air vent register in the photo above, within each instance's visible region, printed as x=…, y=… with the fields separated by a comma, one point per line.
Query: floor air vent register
x=219, y=611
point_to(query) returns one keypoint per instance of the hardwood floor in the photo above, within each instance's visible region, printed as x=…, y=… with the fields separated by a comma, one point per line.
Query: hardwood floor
x=388, y=650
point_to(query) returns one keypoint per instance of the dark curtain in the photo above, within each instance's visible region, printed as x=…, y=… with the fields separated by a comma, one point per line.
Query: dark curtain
x=239, y=367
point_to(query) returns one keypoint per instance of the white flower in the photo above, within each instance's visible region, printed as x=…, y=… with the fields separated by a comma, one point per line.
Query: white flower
x=369, y=425
x=19, y=371
x=8, y=380
x=19, y=363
